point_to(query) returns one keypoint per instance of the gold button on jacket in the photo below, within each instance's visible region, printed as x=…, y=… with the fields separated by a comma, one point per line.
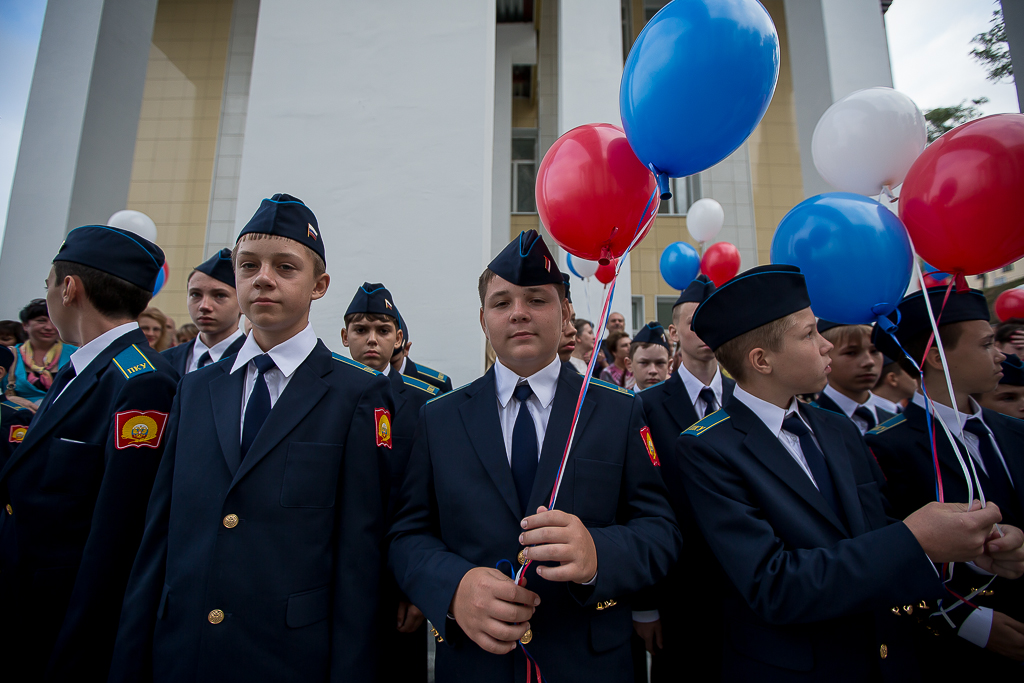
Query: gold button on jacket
x=215, y=616
x=231, y=521
x=527, y=637
x=883, y=651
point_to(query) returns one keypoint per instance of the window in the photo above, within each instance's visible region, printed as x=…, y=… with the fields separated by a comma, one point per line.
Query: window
x=524, y=170
x=665, y=304
x=1008, y=269
x=685, y=191
x=638, y=313
x=522, y=80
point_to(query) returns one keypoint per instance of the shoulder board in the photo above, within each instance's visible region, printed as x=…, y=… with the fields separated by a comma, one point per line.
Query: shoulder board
x=355, y=364
x=431, y=372
x=652, y=386
x=12, y=405
x=423, y=386
x=450, y=393
x=609, y=385
x=132, y=362
x=701, y=426
x=889, y=424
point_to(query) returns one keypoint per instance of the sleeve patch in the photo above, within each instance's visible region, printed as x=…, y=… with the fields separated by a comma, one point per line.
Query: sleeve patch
x=649, y=443
x=383, y=420
x=17, y=433
x=138, y=428
x=132, y=362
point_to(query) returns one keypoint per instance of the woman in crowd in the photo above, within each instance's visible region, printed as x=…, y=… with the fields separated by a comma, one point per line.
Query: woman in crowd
x=616, y=373
x=38, y=358
x=154, y=325
x=11, y=333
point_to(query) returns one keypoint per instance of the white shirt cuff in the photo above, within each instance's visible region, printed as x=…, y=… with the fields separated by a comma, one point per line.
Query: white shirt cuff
x=977, y=627
x=592, y=581
x=646, y=616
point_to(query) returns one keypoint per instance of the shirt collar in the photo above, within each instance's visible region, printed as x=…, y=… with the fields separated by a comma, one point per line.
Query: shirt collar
x=86, y=354
x=948, y=415
x=387, y=370
x=287, y=356
x=884, y=403
x=218, y=348
x=845, y=403
x=401, y=369
x=770, y=414
x=543, y=382
x=694, y=385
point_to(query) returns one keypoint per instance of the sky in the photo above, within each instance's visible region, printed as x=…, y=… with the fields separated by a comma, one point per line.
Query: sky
x=929, y=48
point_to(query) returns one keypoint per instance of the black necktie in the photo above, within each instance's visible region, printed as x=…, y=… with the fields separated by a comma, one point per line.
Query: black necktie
x=204, y=360
x=66, y=374
x=998, y=487
x=258, y=407
x=865, y=414
x=708, y=396
x=524, y=448
x=815, y=460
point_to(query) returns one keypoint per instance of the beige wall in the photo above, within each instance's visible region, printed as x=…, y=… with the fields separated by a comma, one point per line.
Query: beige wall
x=177, y=137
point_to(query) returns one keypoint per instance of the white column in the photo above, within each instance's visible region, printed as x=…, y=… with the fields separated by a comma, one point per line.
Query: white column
x=380, y=117
x=589, y=71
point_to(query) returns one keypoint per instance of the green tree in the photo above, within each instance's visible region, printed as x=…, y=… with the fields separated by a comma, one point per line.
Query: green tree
x=944, y=119
x=993, y=51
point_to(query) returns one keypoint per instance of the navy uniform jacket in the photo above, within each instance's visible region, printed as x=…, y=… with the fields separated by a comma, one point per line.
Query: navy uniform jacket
x=811, y=597
x=904, y=453
x=825, y=402
x=458, y=509
x=78, y=486
x=14, y=420
x=179, y=355
x=668, y=411
x=287, y=549
x=428, y=375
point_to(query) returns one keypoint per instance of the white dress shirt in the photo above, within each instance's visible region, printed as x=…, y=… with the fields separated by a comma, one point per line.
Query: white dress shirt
x=694, y=385
x=848, y=405
x=288, y=356
x=948, y=417
x=543, y=383
x=215, y=351
x=772, y=416
x=87, y=353
x=885, y=404
x=579, y=364
x=401, y=368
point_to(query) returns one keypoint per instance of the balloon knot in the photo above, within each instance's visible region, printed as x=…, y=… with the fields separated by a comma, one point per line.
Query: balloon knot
x=961, y=282
x=663, y=185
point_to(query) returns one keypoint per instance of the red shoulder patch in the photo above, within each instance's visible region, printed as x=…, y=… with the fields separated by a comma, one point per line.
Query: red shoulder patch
x=138, y=428
x=383, y=419
x=645, y=434
x=17, y=433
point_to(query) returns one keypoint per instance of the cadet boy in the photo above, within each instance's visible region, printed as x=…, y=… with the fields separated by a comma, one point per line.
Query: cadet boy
x=14, y=418
x=894, y=388
x=483, y=466
x=261, y=555
x=855, y=369
x=567, y=344
x=993, y=441
x=1008, y=396
x=648, y=356
x=787, y=497
x=75, y=490
x=213, y=307
x=697, y=388
x=371, y=333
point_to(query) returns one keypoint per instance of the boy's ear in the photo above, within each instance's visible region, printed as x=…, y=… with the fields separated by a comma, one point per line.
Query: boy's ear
x=759, y=360
x=344, y=336
x=933, y=359
x=320, y=286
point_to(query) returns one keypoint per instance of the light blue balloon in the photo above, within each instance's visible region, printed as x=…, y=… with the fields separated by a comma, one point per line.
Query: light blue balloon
x=695, y=85
x=854, y=253
x=680, y=264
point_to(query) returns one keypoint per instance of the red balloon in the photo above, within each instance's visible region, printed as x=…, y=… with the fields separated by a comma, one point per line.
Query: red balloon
x=930, y=282
x=1010, y=304
x=606, y=273
x=721, y=262
x=962, y=200
x=593, y=193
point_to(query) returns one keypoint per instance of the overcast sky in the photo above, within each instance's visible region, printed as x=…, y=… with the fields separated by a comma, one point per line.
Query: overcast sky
x=929, y=46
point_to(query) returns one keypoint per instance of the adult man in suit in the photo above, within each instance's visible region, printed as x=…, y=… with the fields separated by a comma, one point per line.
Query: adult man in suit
x=788, y=498
x=991, y=638
x=483, y=466
x=697, y=388
x=75, y=490
x=213, y=307
x=371, y=332
x=261, y=555
x=856, y=367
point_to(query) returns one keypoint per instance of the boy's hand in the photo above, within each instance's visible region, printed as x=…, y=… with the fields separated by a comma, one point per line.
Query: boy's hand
x=492, y=610
x=949, y=532
x=1004, y=553
x=557, y=536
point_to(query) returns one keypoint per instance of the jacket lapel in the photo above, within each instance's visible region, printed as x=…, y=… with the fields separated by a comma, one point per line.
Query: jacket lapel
x=397, y=390
x=226, y=399
x=677, y=403
x=838, y=460
x=480, y=419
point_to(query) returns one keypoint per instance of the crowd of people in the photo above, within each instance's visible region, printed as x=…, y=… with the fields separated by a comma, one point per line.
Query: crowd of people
x=777, y=496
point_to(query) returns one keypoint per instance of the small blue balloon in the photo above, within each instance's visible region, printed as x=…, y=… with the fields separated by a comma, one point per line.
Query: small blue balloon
x=161, y=279
x=568, y=264
x=696, y=83
x=929, y=269
x=680, y=264
x=854, y=252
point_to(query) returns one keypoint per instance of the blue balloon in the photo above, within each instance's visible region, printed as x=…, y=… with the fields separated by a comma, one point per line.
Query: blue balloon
x=695, y=85
x=680, y=264
x=854, y=252
x=929, y=269
x=161, y=279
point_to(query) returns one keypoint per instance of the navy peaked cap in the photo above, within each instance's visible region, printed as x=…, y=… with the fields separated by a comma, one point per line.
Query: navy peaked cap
x=652, y=333
x=565, y=281
x=697, y=291
x=286, y=216
x=912, y=316
x=219, y=267
x=373, y=298
x=114, y=251
x=748, y=301
x=527, y=262
x=1013, y=371
x=827, y=325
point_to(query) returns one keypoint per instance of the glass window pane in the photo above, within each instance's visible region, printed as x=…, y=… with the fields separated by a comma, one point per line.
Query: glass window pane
x=638, y=312
x=524, y=148
x=665, y=311
x=526, y=178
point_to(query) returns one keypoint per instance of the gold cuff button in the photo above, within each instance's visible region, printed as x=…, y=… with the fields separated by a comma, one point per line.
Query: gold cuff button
x=521, y=557
x=216, y=616
x=909, y=609
x=10, y=510
x=883, y=651
x=527, y=637
x=231, y=521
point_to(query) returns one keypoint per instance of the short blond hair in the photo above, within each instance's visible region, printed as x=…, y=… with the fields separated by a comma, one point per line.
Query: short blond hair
x=732, y=355
x=840, y=334
x=319, y=267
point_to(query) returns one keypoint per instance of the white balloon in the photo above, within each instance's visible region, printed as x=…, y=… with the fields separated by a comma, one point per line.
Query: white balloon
x=585, y=268
x=134, y=221
x=704, y=219
x=868, y=140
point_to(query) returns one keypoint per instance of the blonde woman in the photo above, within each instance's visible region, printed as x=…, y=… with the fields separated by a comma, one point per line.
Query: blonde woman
x=154, y=325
